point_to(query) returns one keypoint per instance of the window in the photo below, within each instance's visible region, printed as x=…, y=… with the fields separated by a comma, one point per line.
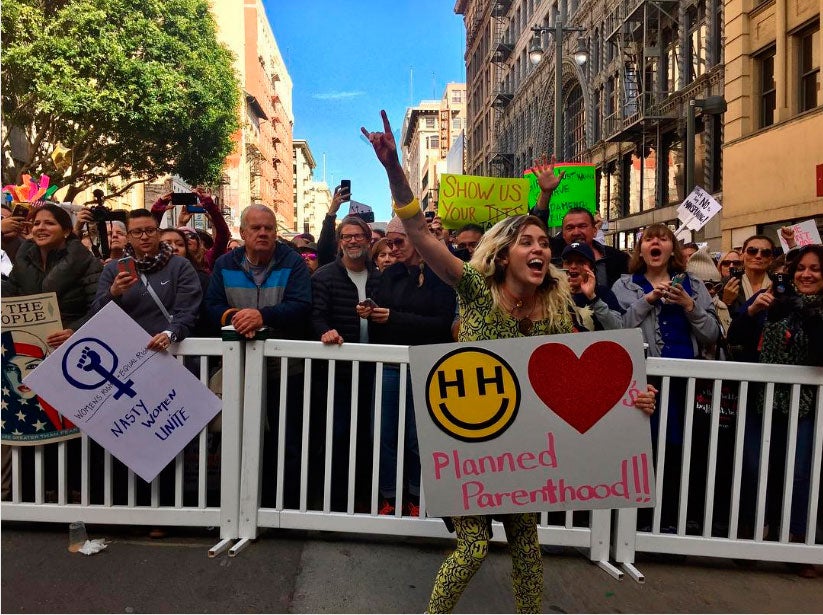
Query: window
x=457, y=96
x=433, y=142
x=768, y=92
x=575, y=129
x=457, y=123
x=430, y=122
x=696, y=18
x=809, y=68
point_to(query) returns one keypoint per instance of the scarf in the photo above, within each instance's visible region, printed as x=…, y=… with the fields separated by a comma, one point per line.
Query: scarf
x=150, y=264
x=786, y=341
x=748, y=291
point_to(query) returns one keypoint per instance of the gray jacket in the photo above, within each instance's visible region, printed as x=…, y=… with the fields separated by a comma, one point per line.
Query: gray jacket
x=178, y=288
x=705, y=329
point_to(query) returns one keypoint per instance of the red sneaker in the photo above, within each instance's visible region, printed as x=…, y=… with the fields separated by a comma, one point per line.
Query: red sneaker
x=386, y=508
x=412, y=509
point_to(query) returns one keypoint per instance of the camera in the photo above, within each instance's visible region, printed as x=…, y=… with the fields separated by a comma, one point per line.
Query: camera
x=429, y=215
x=737, y=272
x=782, y=285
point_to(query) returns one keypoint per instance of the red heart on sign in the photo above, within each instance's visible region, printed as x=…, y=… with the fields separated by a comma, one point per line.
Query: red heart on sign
x=580, y=391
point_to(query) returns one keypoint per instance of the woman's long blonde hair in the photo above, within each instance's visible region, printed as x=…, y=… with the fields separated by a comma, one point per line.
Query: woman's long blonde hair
x=554, y=292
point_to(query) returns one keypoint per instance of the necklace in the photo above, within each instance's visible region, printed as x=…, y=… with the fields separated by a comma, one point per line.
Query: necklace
x=524, y=323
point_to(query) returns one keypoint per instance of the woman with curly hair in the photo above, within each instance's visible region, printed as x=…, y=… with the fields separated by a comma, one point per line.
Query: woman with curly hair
x=509, y=289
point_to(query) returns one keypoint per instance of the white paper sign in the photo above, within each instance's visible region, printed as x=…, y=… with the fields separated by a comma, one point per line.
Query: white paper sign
x=805, y=233
x=141, y=405
x=533, y=424
x=698, y=208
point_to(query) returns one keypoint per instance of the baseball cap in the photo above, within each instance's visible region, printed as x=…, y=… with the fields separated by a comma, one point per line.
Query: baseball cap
x=580, y=248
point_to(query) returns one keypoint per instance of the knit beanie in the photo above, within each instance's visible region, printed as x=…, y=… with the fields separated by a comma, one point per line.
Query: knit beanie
x=701, y=265
x=395, y=225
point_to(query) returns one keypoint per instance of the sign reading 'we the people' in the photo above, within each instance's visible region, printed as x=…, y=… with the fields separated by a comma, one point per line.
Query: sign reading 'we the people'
x=533, y=424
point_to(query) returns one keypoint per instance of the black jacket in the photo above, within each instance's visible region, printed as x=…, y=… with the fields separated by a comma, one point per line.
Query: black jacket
x=71, y=272
x=334, y=297
x=417, y=314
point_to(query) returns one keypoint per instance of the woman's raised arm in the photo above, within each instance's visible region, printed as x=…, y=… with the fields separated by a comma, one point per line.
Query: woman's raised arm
x=435, y=253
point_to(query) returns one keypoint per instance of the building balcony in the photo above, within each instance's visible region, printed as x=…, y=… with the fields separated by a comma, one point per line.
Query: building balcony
x=502, y=52
x=501, y=7
x=502, y=99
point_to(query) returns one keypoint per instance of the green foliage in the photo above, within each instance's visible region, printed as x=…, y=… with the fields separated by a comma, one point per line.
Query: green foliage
x=136, y=89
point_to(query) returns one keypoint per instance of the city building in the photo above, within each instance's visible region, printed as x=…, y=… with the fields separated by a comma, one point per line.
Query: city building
x=430, y=129
x=773, y=134
x=260, y=168
x=646, y=106
x=311, y=198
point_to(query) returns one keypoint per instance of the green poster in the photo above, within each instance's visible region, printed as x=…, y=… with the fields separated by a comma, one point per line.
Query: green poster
x=577, y=189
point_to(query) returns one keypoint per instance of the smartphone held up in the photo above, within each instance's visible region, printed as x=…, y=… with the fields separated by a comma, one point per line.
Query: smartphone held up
x=127, y=265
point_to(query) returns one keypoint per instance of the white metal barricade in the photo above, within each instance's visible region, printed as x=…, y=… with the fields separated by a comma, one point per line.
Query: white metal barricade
x=297, y=364
x=727, y=527
x=111, y=494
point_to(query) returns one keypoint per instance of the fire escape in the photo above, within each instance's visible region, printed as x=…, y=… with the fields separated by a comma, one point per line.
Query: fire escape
x=635, y=28
x=501, y=156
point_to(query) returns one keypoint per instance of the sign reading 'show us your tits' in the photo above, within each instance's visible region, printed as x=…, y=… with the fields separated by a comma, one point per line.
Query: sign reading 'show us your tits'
x=533, y=424
x=141, y=405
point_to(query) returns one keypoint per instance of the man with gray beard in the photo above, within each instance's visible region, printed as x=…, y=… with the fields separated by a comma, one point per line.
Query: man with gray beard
x=337, y=288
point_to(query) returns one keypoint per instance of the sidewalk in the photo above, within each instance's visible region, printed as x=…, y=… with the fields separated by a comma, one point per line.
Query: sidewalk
x=319, y=572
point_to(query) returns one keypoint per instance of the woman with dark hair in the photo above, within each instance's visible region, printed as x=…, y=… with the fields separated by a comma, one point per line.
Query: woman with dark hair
x=509, y=289
x=674, y=311
x=180, y=246
x=381, y=254
x=788, y=327
x=55, y=260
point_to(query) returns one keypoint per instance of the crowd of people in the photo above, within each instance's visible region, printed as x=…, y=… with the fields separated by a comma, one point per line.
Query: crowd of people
x=417, y=283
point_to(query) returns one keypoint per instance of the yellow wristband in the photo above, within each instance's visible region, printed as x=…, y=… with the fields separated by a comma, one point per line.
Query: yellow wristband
x=410, y=210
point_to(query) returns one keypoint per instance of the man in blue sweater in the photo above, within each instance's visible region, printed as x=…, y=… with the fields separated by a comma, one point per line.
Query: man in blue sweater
x=265, y=283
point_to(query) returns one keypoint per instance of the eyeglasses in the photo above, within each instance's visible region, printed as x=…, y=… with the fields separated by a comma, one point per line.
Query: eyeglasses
x=309, y=256
x=467, y=245
x=395, y=243
x=139, y=232
x=729, y=263
x=764, y=252
x=352, y=237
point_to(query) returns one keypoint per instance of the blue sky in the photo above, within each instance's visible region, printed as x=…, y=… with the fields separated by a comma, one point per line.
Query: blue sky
x=348, y=60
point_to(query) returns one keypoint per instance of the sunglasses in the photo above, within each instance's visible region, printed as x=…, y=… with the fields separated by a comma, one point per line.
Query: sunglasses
x=764, y=252
x=395, y=243
x=353, y=237
x=729, y=263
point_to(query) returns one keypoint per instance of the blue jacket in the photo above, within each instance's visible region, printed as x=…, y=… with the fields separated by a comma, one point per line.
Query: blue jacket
x=283, y=299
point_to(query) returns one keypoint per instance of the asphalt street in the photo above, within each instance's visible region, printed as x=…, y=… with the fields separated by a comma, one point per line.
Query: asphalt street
x=321, y=572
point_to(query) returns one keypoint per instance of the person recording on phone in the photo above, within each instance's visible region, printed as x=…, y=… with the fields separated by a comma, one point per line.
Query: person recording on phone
x=197, y=201
x=157, y=288
x=327, y=246
x=743, y=283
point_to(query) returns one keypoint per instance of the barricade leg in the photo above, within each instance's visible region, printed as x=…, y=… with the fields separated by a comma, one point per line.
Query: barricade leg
x=231, y=431
x=252, y=438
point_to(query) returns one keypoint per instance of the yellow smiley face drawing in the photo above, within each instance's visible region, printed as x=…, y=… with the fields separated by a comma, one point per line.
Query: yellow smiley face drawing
x=472, y=394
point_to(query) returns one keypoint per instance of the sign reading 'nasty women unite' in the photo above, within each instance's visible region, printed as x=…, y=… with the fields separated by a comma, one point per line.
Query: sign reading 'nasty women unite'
x=533, y=424
x=141, y=405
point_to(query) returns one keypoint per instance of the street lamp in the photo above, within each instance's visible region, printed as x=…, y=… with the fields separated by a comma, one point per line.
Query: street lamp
x=713, y=105
x=581, y=55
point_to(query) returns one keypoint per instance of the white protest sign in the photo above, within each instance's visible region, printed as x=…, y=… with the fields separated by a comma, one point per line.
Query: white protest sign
x=698, y=208
x=141, y=405
x=533, y=424
x=805, y=233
